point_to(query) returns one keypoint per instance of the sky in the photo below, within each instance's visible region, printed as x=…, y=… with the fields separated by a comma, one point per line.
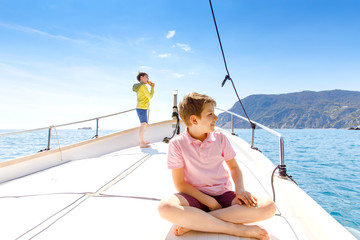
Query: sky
x=70, y=60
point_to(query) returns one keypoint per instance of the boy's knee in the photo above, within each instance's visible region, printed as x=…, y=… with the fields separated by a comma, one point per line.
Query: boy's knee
x=164, y=207
x=270, y=209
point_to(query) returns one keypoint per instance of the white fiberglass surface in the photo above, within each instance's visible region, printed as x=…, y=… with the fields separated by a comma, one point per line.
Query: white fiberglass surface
x=125, y=209
x=19, y=215
x=151, y=179
x=87, y=175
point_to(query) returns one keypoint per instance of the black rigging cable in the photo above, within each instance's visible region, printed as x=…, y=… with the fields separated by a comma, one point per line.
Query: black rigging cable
x=176, y=130
x=281, y=168
x=227, y=77
x=282, y=172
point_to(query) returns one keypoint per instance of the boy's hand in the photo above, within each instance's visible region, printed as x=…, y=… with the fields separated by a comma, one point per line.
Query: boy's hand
x=151, y=84
x=246, y=198
x=213, y=205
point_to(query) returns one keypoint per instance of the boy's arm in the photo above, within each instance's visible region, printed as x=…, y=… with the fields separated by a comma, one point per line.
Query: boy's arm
x=242, y=196
x=145, y=92
x=184, y=187
x=152, y=90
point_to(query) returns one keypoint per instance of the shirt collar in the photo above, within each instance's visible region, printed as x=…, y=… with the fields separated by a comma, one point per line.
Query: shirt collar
x=210, y=137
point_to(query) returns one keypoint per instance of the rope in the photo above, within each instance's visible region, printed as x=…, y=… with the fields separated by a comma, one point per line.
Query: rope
x=227, y=77
x=282, y=168
x=57, y=136
x=282, y=173
x=88, y=194
x=51, y=216
x=63, y=212
x=177, y=127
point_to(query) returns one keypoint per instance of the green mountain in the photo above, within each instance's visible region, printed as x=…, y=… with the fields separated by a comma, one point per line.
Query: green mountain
x=307, y=109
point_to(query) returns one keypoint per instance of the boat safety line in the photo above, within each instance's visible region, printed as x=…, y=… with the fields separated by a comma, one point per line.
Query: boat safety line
x=98, y=193
x=292, y=229
x=125, y=196
x=45, y=194
x=257, y=179
x=52, y=219
x=122, y=175
x=282, y=170
x=60, y=150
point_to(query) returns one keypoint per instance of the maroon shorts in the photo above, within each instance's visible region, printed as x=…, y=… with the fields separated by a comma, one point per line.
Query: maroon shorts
x=224, y=200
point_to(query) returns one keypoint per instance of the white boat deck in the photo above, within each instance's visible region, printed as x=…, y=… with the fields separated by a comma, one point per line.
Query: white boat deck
x=114, y=196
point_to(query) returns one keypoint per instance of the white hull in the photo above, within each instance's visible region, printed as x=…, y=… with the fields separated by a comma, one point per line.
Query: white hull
x=109, y=188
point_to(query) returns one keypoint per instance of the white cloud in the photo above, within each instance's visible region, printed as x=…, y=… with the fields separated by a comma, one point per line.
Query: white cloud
x=139, y=40
x=38, y=32
x=177, y=75
x=145, y=67
x=13, y=73
x=170, y=34
x=164, y=55
x=106, y=39
x=184, y=47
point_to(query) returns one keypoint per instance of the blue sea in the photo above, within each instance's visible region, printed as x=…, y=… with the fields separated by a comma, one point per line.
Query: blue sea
x=324, y=162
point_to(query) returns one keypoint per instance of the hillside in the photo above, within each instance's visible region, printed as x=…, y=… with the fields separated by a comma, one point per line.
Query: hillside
x=307, y=109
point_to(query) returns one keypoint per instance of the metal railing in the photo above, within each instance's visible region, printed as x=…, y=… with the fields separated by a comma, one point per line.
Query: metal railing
x=281, y=139
x=66, y=124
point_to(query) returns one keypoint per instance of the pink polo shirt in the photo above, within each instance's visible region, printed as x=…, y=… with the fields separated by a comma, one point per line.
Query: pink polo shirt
x=202, y=161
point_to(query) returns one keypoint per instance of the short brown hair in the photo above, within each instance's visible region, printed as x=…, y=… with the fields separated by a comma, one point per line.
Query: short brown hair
x=193, y=104
x=141, y=74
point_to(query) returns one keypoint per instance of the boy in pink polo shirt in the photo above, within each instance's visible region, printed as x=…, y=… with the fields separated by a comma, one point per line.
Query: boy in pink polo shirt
x=205, y=201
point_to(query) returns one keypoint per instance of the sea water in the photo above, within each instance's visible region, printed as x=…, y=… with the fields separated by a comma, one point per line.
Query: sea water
x=324, y=162
x=19, y=145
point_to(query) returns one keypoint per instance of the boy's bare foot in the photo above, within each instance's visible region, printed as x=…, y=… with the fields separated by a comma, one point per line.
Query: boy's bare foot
x=144, y=146
x=179, y=231
x=251, y=231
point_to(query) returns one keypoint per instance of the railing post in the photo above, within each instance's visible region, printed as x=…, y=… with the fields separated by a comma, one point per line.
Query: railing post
x=282, y=154
x=175, y=108
x=232, y=125
x=252, y=137
x=49, y=138
x=62, y=125
x=97, y=128
x=282, y=166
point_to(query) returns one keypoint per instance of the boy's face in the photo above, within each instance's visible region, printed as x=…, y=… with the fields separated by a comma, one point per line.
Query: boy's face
x=144, y=79
x=208, y=118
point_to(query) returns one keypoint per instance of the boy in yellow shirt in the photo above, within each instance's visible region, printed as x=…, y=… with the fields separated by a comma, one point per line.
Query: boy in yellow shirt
x=143, y=103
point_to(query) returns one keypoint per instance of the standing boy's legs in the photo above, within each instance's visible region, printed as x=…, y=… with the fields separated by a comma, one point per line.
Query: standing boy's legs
x=142, y=113
x=176, y=209
x=143, y=144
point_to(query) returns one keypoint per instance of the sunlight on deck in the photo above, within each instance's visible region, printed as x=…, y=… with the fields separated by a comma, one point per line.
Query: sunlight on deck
x=114, y=196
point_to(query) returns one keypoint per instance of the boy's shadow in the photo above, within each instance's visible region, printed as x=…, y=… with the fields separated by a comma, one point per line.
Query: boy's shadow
x=151, y=151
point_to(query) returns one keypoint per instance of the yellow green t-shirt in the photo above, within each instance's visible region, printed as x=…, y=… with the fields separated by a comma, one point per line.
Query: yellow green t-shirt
x=143, y=95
